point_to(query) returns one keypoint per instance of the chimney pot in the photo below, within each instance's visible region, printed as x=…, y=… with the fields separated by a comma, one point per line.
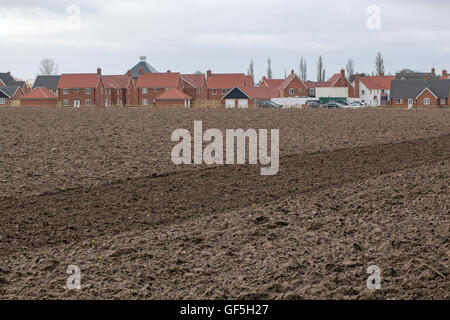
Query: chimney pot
x=444, y=73
x=264, y=78
x=99, y=71
x=208, y=73
x=433, y=71
x=381, y=74
x=292, y=71
x=168, y=71
x=427, y=77
x=129, y=73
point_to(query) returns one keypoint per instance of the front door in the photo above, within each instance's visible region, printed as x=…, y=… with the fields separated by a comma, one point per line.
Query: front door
x=410, y=103
x=76, y=103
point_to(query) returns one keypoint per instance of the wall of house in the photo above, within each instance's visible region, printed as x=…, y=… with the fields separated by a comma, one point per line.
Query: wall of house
x=170, y=103
x=39, y=103
x=7, y=103
x=95, y=96
x=300, y=90
x=427, y=94
x=219, y=95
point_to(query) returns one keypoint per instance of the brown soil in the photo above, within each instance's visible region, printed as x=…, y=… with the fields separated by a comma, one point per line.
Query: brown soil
x=96, y=188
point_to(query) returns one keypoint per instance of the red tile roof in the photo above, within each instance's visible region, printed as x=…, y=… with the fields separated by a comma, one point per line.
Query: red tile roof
x=116, y=82
x=333, y=79
x=377, y=82
x=39, y=93
x=80, y=80
x=174, y=94
x=272, y=82
x=196, y=80
x=226, y=80
x=260, y=92
x=158, y=80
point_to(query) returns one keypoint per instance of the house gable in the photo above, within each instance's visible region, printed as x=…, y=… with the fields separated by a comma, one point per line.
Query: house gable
x=236, y=93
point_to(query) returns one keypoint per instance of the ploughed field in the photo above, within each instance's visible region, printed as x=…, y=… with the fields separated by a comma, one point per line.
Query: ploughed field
x=96, y=188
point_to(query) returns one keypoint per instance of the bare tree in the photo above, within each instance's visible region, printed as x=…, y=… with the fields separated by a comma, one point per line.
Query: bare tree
x=379, y=64
x=285, y=73
x=303, y=69
x=320, y=70
x=48, y=67
x=269, y=68
x=251, y=70
x=324, y=76
x=350, y=68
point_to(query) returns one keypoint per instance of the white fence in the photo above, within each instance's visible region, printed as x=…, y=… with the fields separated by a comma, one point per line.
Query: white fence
x=291, y=102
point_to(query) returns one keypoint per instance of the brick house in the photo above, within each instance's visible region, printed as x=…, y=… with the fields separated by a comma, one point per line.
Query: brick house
x=420, y=93
x=119, y=89
x=173, y=98
x=219, y=84
x=270, y=83
x=6, y=79
x=85, y=89
x=293, y=87
x=374, y=90
x=249, y=97
x=49, y=82
x=39, y=96
x=194, y=85
x=10, y=95
x=149, y=86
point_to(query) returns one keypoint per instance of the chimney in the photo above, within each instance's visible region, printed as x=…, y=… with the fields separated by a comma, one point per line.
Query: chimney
x=208, y=73
x=357, y=85
x=381, y=74
x=264, y=78
x=142, y=58
x=129, y=73
x=168, y=71
x=141, y=71
x=9, y=73
x=444, y=73
x=292, y=71
x=433, y=71
x=427, y=77
x=99, y=71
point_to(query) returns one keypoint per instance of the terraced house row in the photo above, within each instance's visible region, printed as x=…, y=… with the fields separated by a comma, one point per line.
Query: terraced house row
x=144, y=86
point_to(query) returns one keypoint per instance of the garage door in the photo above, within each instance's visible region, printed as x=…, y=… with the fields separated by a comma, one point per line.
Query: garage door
x=229, y=103
x=243, y=103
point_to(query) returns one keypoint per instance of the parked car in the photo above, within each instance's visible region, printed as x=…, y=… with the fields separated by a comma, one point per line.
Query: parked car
x=312, y=104
x=356, y=104
x=331, y=105
x=269, y=104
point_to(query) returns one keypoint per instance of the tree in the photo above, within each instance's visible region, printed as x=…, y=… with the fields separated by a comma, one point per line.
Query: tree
x=48, y=67
x=379, y=64
x=320, y=70
x=324, y=77
x=198, y=72
x=251, y=70
x=350, y=68
x=303, y=70
x=269, y=68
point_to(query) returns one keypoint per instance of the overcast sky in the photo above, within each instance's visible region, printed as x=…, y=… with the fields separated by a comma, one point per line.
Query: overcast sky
x=223, y=36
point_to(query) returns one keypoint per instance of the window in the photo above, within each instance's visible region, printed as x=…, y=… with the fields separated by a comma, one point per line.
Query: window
x=144, y=102
x=214, y=92
x=398, y=101
x=66, y=91
x=155, y=90
x=2, y=101
x=291, y=91
x=76, y=90
x=167, y=89
x=443, y=101
x=363, y=91
x=54, y=91
x=426, y=101
x=66, y=103
x=224, y=91
x=87, y=91
x=144, y=91
x=88, y=102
